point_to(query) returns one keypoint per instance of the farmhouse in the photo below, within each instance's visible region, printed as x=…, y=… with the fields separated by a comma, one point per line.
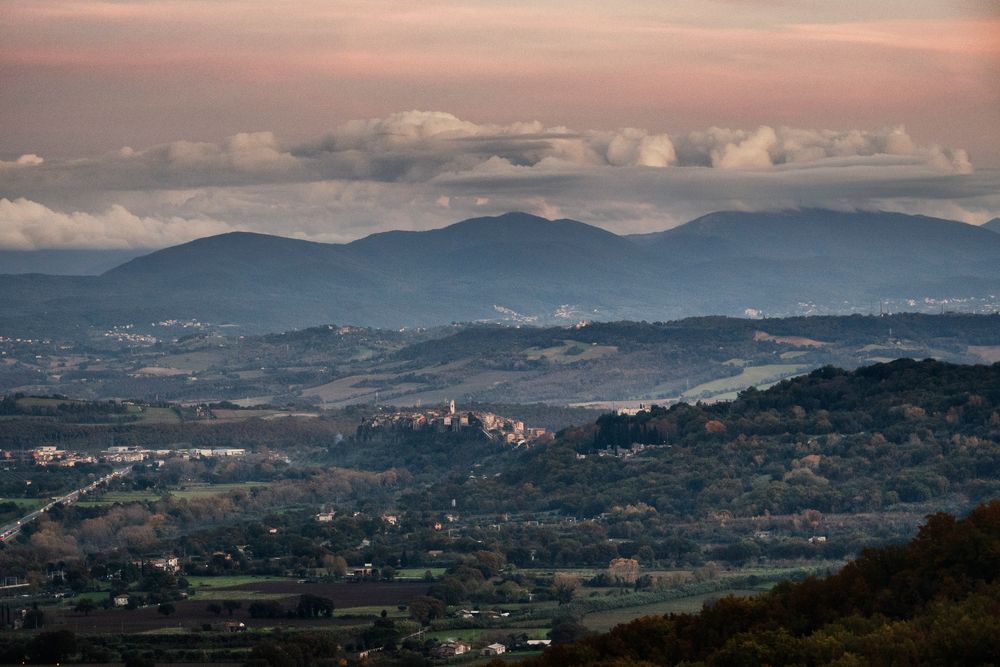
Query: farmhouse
x=450, y=650
x=494, y=649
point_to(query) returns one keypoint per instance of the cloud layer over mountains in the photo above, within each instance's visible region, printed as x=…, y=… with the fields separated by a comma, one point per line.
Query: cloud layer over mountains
x=416, y=170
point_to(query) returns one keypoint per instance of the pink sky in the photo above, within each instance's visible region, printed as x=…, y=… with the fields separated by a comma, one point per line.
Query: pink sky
x=79, y=77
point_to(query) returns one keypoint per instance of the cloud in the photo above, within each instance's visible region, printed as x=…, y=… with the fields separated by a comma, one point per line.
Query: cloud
x=420, y=169
x=764, y=147
x=26, y=160
x=28, y=225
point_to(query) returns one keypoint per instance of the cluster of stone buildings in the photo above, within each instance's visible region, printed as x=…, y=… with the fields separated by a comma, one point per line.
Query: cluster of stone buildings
x=495, y=427
x=136, y=454
x=451, y=649
x=51, y=455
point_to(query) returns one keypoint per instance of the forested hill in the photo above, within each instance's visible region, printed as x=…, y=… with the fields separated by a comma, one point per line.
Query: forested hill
x=934, y=601
x=833, y=441
x=523, y=268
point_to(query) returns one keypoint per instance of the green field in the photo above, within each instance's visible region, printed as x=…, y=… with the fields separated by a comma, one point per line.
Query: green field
x=26, y=504
x=158, y=415
x=570, y=351
x=749, y=377
x=39, y=402
x=473, y=635
x=417, y=573
x=220, y=594
x=201, y=583
x=603, y=621
x=188, y=493
x=146, y=415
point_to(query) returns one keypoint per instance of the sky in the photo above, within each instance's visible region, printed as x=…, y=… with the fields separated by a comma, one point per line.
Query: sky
x=144, y=123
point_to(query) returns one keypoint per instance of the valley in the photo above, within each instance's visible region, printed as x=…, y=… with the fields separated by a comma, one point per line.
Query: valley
x=596, y=364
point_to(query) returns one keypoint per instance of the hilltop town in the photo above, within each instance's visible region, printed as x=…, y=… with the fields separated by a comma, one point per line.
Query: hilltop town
x=495, y=427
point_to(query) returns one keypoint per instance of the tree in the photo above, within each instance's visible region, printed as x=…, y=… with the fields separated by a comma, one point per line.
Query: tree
x=567, y=630
x=85, y=606
x=166, y=609
x=34, y=618
x=564, y=587
x=623, y=571
x=231, y=606
x=138, y=660
x=335, y=566
x=266, y=609
x=425, y=609
x=52, y=647
x=214, y=608
x=311, y=606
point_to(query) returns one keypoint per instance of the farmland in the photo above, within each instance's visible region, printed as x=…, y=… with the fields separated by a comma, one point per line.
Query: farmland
x=187, y=492
x=602, y=621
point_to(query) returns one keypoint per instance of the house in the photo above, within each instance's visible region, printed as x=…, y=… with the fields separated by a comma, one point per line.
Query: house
x=169, y=564
x=450, y=650
x=362, y=572
x=325, y=517
x=121, y=600
x=539, y=643
x=494, y=649
x=47, y=454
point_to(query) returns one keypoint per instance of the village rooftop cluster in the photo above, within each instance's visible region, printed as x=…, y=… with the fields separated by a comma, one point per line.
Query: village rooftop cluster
x=495, y=427
x=50, y=455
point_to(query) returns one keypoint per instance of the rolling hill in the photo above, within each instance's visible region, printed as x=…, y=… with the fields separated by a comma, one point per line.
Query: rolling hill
x=525, y=268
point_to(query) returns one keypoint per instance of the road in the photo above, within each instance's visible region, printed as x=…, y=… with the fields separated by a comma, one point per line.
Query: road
x=12, y=529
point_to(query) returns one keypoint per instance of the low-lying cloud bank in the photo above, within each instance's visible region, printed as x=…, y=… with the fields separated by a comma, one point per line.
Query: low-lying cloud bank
x=418, y=170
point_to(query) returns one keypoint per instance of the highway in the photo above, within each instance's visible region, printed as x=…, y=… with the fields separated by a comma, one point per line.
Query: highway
x=12, y=529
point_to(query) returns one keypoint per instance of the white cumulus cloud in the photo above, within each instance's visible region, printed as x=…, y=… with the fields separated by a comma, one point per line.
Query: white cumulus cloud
x=26, y=225
x=421, y=169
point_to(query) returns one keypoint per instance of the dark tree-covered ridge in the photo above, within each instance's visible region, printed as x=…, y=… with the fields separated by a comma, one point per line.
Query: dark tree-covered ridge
x=933, y=601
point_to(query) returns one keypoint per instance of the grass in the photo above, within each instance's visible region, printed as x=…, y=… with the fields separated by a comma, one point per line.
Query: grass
x=603, y=621
x=160, y=416
x=217, y=594
x=187, y=493
x=570, y=351
x=417, y=573
x=748, y=377
x=172, y=630
x=469, y=635
x=201, y=491
x=147, y=415
x=26, y=504
x=96, y=596
x=201, y=583
x=391, y=610
x=38, y=402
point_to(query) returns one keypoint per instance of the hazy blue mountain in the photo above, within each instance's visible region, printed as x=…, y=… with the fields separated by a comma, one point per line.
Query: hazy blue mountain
x=822, y=256
x=993, y=225
x=488, y=268
x=64, y=262
x=821, y=233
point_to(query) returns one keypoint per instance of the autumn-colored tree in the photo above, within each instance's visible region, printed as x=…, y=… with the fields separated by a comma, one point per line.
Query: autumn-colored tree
x=564, y=587
x=623, y=571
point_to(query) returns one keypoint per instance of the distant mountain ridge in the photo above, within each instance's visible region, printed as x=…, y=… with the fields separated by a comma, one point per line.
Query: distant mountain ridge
x=993, y=225
x=722, y=263
x=65, y=262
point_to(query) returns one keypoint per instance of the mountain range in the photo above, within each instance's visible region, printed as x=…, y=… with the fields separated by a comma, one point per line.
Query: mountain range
x=525, y=268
